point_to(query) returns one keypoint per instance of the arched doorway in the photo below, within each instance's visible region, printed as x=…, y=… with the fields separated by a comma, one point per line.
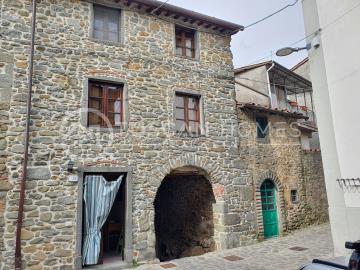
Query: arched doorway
x=183, y=215
x=269, y=209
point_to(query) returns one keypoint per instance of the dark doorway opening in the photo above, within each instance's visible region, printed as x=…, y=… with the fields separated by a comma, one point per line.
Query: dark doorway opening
x=184, y=217
x=113, y=232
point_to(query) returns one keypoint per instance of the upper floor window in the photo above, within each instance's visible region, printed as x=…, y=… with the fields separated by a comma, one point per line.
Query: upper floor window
x=105, y=104
x=187, y=113
x=106, y=23
x=262, y=128
x=185, y=42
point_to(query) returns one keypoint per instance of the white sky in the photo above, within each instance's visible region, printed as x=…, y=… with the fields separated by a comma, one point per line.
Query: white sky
x=258, y=41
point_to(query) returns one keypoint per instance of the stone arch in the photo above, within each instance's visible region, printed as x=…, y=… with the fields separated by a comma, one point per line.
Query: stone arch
x=211, y=169
x=280, y=202
x=184, y=220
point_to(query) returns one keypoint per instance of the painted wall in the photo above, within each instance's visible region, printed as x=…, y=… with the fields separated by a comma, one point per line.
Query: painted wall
x=251, y=86
x=335, y=75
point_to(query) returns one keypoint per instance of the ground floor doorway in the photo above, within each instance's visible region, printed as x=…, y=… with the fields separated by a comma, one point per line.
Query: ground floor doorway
x=109, y=217
x=269, y=209
x=183, y=216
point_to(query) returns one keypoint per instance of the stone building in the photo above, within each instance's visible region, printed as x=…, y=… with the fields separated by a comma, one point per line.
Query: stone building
x=140, y=97
x=276, y=121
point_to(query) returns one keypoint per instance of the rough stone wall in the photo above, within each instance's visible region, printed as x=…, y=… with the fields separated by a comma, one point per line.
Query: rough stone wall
x=280, y=157
x=184, y=217
x=65, y=56
x=315, y=187
x=6, y=69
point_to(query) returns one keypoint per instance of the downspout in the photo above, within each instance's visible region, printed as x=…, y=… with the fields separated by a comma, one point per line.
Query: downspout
x=26, y=151
x=269, y=85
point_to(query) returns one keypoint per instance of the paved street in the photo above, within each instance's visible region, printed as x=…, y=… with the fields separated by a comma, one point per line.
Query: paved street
x=274, y=254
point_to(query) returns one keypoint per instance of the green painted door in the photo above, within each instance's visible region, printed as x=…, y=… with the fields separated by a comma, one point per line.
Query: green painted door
x=269, y=209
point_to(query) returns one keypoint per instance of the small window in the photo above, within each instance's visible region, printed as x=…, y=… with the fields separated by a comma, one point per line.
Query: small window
x=294, y=196
x=262, y=127
x=187, y=113
x=106, y=25
x=185, y=42
x=105, y=104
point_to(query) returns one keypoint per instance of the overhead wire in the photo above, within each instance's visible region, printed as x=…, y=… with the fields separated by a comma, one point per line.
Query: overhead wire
x=272, y=14
x=309, y=35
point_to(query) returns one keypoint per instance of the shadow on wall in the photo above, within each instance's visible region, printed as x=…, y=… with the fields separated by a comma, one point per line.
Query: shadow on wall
x=184, y=217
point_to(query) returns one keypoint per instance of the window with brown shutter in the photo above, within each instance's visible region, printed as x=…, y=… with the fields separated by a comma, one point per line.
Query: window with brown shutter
x=106, y=25
x=105, y=104
x=187, y=113
x=185, y=42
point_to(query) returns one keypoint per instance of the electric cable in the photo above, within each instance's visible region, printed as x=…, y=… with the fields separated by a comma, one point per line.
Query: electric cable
x=309, y=35
x=272, y=14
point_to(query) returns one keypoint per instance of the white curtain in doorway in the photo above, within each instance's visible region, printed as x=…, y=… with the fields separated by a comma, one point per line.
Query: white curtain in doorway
x=99, y=196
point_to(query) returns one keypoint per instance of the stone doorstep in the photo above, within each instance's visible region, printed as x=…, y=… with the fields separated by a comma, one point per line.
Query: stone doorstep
x=109, y=266
x=233, y=258
x=168, y=265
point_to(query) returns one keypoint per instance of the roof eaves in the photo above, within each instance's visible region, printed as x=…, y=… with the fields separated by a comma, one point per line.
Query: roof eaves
x=259, y=107
x=293, y=74
x=249, y=67
x=300, y=64
x=234, y=28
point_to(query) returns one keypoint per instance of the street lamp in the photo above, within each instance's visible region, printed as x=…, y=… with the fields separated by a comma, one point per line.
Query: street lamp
x=289, y=50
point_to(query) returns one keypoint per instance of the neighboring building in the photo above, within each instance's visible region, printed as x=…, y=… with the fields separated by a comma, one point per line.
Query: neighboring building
x=271, y=85
x=274, y=142
x=303, y=69
x=334, y=69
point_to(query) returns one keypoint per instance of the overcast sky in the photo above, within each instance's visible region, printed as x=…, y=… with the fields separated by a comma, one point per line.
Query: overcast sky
x=258, y=41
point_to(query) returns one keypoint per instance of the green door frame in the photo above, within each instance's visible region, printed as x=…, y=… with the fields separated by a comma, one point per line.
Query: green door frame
x=269, y=209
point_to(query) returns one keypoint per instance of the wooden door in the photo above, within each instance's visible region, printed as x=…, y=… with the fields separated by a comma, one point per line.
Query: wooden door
x=269, y=209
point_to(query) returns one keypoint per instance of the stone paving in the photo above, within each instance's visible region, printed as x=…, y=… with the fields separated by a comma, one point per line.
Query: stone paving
x=313, y=242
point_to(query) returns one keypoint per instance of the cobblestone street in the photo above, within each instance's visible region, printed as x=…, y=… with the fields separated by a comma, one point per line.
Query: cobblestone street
x=287, y=253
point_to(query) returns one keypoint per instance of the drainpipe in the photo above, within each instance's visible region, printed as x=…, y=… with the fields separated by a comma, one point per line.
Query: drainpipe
x=269, y=85
x=26, y=151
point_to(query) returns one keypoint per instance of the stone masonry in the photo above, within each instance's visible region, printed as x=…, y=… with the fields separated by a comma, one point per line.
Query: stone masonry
x=66, y=57
x=280, y=158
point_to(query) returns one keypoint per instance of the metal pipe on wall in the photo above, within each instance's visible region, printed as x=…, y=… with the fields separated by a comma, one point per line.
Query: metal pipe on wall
x=269, y=83
x=26, y=151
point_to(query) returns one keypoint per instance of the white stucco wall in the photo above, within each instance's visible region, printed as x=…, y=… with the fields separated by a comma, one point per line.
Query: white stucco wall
x=251, y=86
x=335, y=73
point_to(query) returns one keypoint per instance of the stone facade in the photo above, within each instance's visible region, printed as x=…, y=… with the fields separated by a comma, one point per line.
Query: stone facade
x=147, y=149
x=65, y=58
x=280, y=158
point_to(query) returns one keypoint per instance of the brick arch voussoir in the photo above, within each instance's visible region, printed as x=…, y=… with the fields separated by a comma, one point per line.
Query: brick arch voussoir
x=212, y=170
x=263, y=177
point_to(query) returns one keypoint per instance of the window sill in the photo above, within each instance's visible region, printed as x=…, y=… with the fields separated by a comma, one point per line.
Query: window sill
x=196, y=59
x=265, y=140
x=107, y=42
x=107, y=130
x=188, y=135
